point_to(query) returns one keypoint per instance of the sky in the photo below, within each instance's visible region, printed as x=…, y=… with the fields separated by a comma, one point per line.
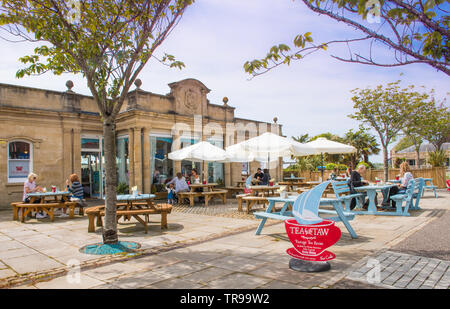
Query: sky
x=215, y=38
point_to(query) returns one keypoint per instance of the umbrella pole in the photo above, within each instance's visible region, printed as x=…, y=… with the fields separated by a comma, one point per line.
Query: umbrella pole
x=321, y=166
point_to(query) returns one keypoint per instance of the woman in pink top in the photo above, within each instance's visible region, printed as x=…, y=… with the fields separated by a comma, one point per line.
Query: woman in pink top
x=30, y=187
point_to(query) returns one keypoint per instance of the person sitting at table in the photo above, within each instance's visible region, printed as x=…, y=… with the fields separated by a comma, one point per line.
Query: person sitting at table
x=77, y=191
x=348, y=172
x=334, y=174
x=30, y=187
x=180, y=183
x=400, y=188
x=195, y=178
x=356, y=181
x=258, y=176
x=266, y=178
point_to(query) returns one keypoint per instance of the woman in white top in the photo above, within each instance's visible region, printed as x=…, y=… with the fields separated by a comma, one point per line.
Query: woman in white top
x=406, y=176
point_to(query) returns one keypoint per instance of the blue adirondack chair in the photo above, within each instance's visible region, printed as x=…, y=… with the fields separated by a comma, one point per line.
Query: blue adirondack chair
x=430, y=186
x=306, y=207
x=418, y=191
x=406, y=197
x=341, y=188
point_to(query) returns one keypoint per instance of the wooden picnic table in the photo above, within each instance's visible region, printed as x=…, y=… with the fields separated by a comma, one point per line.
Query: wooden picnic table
x=135, y=201
x=43, y=195
x=209, y=186
x=240, y=183
x=264, y=189
x=294, y=179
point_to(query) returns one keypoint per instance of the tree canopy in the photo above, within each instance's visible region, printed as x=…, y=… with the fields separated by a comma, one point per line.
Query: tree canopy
x=408, y=31
x=108, y=41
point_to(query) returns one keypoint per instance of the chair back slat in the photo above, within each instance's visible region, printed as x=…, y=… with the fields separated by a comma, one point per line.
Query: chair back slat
x=340, y=187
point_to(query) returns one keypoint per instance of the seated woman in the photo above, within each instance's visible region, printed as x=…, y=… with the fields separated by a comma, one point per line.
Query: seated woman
x=30, y=187
x=195, y=178
x=76, y=189
x=406, y=176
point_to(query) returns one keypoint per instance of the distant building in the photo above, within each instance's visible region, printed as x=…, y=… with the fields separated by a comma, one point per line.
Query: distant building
x=55, y=134
x=411, y=157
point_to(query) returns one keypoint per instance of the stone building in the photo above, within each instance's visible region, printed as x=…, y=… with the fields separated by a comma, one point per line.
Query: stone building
x=55, y=134
x=409, y=154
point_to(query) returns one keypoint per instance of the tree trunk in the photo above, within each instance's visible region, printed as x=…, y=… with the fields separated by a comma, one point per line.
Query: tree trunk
x=385, y=161
x=110, y=224
x=418, y=158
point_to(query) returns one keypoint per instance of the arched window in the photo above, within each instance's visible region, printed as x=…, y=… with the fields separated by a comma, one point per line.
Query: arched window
x=20, y=155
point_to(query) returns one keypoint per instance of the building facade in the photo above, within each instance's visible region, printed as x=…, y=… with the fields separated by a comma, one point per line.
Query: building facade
x=409, y=154
x=54, y=134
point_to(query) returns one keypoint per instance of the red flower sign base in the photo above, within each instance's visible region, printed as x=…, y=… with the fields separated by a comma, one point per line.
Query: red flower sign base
x=311, y=241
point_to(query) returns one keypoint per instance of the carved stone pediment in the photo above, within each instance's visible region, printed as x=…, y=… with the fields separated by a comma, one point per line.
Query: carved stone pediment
x=190, y=97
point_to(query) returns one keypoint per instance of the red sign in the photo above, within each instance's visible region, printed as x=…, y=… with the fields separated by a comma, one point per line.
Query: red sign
x=311, y=241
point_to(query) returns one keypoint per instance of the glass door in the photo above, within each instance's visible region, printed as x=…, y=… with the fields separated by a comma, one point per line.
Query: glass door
x=90, y=174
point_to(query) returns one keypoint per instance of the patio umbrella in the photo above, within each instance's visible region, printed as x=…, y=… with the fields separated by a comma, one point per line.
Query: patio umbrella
x=199, y=152
x=269, y=146
x=323, y=145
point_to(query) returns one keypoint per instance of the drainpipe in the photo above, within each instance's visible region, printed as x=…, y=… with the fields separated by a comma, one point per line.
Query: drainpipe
x=142, y=159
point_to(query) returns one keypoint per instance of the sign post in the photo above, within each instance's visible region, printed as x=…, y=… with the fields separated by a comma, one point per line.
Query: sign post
x=310, y=243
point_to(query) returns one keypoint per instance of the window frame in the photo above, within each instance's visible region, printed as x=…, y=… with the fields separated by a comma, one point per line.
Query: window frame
x=22, y=179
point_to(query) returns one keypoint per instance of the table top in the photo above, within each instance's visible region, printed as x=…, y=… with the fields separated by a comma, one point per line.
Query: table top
x=294, y=178
x=374, y=187
x=130, y=197
x=292, y=199
x=264, y=187
x=394, y=181
x=211, y=184
x=313, y=182
x=49, y=193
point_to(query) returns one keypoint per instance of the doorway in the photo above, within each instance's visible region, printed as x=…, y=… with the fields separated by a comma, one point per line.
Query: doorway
x=91, y=171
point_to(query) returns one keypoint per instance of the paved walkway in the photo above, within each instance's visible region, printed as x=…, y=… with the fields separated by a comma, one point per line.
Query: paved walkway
x=241, y=260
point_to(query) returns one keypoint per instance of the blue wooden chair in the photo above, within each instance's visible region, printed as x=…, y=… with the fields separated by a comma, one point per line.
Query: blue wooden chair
x=306, y=207
x=417, y=194
x=342, y=192
x=406, y=198
x=430, y=186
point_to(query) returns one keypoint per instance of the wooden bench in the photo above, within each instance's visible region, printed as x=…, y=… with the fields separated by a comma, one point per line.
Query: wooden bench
x=342, y=192
x=222, y=194
x=239, y=200
x=49, y=208
x=252, y=200
x=234, y=190
x=188, y=195
x=99, y=211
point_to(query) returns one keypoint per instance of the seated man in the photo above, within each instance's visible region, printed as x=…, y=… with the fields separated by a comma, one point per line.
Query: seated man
x=266, y=177
x=258, y=176
x=356, y=181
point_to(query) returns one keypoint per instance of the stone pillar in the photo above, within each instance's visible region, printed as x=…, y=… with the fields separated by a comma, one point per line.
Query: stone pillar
x=131, y=156
x=76, y=155
x=146, y=161
x=137, y=158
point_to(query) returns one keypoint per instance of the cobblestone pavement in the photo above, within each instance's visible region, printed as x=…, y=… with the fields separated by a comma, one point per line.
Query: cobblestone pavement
x=391, y=269
x=236, y=261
